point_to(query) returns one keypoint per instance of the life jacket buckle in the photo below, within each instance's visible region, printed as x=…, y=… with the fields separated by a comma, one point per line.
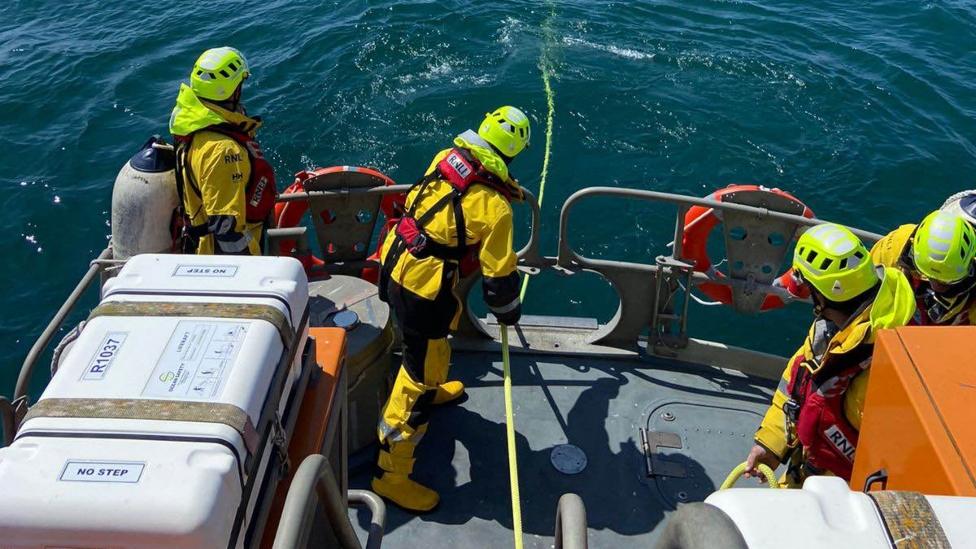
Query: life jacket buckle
x=414, y=238
x=791, y=409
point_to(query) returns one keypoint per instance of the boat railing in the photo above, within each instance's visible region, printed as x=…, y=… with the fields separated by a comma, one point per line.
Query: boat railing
x=647, y=292
x=314, y=485
x=570, y=523
x=30, y=362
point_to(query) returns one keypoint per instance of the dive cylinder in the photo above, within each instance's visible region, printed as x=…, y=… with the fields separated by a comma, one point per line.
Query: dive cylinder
x=145, y=201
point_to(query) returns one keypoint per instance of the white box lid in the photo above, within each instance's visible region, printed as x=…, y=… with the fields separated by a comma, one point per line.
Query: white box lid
x=220, y=277
x=134, y=494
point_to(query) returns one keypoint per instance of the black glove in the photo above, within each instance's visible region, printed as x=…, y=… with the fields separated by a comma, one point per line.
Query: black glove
x=511, y=317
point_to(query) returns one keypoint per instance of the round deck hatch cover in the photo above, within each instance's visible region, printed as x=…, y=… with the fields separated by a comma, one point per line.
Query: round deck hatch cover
x=345, y=319
x=568, y=459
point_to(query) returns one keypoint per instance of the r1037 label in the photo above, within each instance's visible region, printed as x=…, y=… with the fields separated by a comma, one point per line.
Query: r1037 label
x=104, y=356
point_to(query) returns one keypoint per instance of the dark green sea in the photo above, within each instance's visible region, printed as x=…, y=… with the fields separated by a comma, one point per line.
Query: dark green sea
x=865, y=110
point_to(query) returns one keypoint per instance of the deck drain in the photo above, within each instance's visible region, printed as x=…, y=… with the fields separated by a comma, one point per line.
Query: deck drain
x=568, y=459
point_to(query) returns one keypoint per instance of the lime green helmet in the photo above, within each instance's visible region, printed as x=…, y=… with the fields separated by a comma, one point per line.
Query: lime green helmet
x=507, y=129
x=217, y=73
x=943, y=247
x=835, y=262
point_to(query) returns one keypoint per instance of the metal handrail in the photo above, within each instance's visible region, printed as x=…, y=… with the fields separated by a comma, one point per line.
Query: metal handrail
x=27, y=369
x=314, y=483
x=568, y=258
x=570, y=523
x=528, y=255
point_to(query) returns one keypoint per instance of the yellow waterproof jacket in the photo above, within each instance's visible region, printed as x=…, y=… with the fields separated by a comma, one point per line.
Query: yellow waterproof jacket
x=220, y=168
x=488, y=221
x=892, y=307
x=889, y=252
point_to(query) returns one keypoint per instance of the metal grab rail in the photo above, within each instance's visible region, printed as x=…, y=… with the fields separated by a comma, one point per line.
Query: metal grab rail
x=314, y=483
x=567, y=257
x=570, y=523
x=642, y=288
x=529, y=255
x=27, y=369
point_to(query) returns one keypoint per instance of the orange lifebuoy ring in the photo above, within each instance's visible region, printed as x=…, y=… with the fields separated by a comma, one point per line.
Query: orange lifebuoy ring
x=700, y=221
x=290, y=214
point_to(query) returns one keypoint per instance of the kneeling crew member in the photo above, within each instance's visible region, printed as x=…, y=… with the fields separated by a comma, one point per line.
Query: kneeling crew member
x=937, y=256
x=226, y=185
x=460, y=208
x=815, y=415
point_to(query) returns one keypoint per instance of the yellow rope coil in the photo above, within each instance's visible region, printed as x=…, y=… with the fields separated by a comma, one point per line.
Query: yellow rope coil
x=741, y=468
x=510, y=430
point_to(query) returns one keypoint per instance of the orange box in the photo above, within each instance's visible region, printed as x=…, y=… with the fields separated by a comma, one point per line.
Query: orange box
x=919, y=413
x=314, y=415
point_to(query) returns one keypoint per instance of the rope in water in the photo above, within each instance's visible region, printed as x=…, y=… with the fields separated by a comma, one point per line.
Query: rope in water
x=510, y=431
x=545, y=67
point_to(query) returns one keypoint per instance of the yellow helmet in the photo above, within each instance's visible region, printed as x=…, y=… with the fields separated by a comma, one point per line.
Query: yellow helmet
x=507, y=129
x=217, y=73
x=943, y=247
x=835, y=262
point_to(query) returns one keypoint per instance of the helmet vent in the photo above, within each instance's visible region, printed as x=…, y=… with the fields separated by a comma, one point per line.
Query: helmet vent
x=232, y=66
x=224, y=74
x=811, y=256
x=859, y=254
x=826, y=263
x=843, y=264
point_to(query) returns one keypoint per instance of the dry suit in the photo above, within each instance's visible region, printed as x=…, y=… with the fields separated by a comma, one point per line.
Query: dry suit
x=420, y=290
x=814, y=419
x=895, y=250
x=226, y=185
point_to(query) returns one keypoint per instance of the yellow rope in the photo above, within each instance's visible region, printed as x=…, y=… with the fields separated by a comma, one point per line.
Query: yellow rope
x=741, y=468
x=510, y=429
x=545, y=67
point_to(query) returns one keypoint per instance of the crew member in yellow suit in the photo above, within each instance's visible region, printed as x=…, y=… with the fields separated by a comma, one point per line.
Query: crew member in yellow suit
x=227, y=186
x=813, y=421
x=937, y=256
x=460, y=210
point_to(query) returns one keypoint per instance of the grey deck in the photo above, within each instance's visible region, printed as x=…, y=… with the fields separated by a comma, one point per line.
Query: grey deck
x=597, y=404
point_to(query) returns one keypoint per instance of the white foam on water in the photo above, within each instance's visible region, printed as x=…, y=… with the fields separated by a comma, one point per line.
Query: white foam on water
x=609, y=48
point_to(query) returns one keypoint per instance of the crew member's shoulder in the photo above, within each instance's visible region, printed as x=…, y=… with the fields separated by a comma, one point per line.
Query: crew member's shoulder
x=226, y=147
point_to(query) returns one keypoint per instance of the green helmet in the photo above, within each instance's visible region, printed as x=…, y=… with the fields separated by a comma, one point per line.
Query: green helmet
x=943, y=247
x=835, y=262
x=217, y=73
x=507, y=129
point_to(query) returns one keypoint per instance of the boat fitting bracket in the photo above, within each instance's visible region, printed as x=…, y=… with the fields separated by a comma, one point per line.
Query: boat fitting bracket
x=657, y=466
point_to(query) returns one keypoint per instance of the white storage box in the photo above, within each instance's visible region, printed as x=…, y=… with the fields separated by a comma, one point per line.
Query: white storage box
x=159, y=428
